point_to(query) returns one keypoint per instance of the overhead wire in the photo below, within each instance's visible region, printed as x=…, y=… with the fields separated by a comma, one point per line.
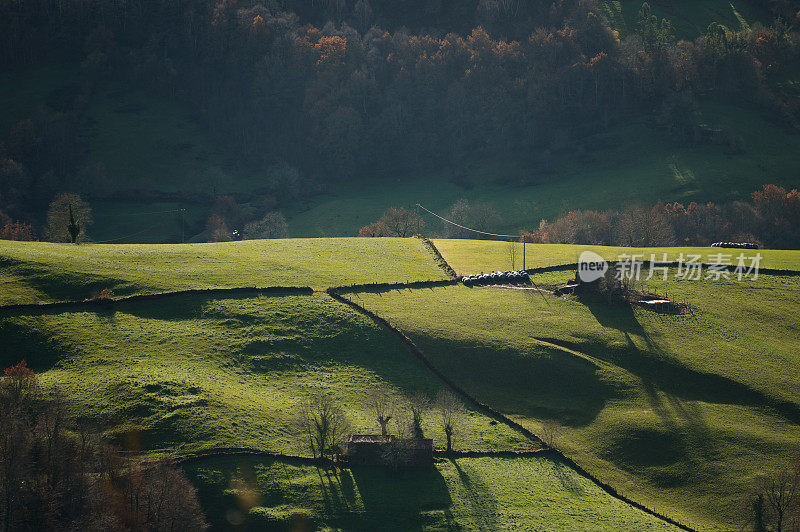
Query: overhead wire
x=150, y=228
x=464, y=227
x=137, y=213
x=483, y=233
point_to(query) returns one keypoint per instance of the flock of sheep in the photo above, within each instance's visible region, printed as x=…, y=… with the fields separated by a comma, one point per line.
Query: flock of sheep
x=515, y=277
x=736, y=245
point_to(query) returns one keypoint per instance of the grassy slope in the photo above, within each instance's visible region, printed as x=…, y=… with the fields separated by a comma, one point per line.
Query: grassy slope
x=177, y=376
x=631, y=163
x=45, y=272
x=467, y=493
x=674, y=412
x=475, y=256
x=147, y=142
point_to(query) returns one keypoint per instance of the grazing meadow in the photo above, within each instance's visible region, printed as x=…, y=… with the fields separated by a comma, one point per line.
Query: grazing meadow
x=679, y=412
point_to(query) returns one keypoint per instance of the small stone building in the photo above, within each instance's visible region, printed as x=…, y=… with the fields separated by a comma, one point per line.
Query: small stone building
x=372, y=449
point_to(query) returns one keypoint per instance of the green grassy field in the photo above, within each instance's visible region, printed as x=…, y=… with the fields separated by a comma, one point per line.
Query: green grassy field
x=461, y=494
x=679, y=413
x=468, y=257
x=172, y=377
x=52, y=272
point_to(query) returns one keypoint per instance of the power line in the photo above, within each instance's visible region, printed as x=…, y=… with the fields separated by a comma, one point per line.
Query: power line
x=126, y=236
x=136, y=213
x=489, y=234
x=464, y=227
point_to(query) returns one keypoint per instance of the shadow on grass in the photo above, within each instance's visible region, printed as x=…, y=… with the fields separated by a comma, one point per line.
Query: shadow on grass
x=65, y=285
x=566, y=476
x=544, y=383
x=26, y=338
x=660, y=371
x=483, y=504
x=404, y=500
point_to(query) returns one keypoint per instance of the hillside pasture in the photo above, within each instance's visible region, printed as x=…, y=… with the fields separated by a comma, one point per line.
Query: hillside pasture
x=468, y=257
x=679, y=413
x=191, y=373
x=34, y=272
x=632, y=163
x=526, y=493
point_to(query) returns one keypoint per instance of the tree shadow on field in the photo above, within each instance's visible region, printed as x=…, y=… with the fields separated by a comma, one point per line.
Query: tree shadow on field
x=566, y=476
x=483, y=504
x=401, y=500
x=541, y=381
x=662, y=373
x=620, y=317
x=26, y=337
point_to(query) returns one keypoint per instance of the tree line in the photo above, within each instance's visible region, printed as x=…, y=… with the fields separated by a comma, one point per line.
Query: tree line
x=56, y=473
x=344, y=88
x=771, y=219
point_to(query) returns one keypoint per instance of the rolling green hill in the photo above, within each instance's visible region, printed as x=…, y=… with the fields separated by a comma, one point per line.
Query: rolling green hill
x=680, y=413
x=468, y=257
x=53, y=272
x=464, y=493
x=197, y=373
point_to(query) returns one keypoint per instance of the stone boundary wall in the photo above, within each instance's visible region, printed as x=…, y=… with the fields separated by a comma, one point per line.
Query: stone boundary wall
x=491, y=412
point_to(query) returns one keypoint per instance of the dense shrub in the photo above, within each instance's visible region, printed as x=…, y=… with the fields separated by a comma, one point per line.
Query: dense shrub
x=394, y=222
x=272, y=225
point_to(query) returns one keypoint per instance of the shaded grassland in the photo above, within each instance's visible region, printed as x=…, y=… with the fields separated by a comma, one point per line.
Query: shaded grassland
x=631, y=163
x=680, y=414
x=34, y=272
x=531, y=493
x=192, y=373
x=474, y=256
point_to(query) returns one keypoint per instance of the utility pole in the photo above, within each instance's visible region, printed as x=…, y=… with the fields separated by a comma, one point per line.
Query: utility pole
x=523, y=253
x=183, y=226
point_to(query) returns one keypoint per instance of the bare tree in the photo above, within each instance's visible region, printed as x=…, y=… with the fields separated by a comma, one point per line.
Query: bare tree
x=395, y=222
x=398, y=452
x=477, y=215
x=272, y=225
x=383, y=405
x=56, y=475
x=159, y=497
x=68, y=218
x=551, y=431
x=451, y=414
x=419, y=404
x=402, y=222
x=512, y=254
x=776, y=502
x=323, y=425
